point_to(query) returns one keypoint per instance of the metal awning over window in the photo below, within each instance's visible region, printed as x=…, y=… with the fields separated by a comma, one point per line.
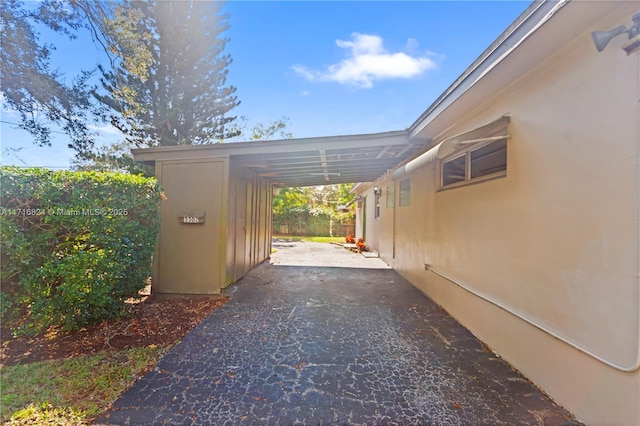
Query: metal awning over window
x=495, y=130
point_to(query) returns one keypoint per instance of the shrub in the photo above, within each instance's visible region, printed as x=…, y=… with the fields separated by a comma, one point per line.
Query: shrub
x=74, y=245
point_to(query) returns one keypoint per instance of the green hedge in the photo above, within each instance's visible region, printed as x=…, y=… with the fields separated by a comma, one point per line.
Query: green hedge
x=74, y=245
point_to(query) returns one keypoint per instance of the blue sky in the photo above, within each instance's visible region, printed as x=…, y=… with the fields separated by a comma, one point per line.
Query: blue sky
x=331, y=68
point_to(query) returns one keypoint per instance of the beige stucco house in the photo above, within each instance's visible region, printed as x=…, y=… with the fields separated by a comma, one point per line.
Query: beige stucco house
x=513, y=201
x=522, y=218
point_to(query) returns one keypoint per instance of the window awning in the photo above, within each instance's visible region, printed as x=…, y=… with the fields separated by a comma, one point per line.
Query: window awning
x=495, y=130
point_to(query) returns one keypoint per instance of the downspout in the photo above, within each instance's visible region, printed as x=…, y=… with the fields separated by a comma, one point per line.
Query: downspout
x=637, y=364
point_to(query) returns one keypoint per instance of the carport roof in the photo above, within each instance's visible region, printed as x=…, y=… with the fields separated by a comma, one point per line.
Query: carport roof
x=305, y=161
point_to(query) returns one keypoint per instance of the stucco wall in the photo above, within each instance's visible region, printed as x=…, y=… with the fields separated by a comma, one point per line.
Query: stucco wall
x=187, y=261
x=555, y=243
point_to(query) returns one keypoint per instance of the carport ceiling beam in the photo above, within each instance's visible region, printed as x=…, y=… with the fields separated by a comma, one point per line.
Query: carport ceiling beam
x=325, y=168
x=405, y=149
x=260, y=160
x=383, y=151
x=380, y=165
x=309, y=161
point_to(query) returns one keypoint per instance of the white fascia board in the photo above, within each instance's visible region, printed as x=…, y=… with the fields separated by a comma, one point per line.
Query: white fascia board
x=523, y=27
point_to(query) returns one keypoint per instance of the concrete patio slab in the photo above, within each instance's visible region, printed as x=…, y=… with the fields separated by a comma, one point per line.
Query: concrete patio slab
x=305, y=343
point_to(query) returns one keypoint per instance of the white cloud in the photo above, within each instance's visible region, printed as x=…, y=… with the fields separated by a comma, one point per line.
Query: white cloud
x=412, y=45
x=369, y=61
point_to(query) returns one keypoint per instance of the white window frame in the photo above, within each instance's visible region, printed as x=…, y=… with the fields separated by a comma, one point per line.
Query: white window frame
x=404, y=197
x=466, y=153
x=391, y=198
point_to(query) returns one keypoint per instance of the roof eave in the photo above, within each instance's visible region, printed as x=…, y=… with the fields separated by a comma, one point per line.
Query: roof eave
x=522, y=28
x=399, y=137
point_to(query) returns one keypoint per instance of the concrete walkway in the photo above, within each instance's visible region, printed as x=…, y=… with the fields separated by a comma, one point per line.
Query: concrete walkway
x=305, y=343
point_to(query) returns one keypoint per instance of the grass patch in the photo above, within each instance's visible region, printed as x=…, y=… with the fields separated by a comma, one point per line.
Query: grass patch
x=70, y=391
x=310, y=239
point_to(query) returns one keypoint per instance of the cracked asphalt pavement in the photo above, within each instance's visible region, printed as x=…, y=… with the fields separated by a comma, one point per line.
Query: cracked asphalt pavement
x=322, y=336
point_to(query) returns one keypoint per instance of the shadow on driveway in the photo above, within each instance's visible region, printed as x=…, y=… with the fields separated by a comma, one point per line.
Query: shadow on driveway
x=301, y=343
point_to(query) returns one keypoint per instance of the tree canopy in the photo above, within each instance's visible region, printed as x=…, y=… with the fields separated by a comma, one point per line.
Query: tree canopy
x=320, y=198
x=185, y=99
x=277, y=129
x=164, y=81
x=29, y=84
x=294, y=207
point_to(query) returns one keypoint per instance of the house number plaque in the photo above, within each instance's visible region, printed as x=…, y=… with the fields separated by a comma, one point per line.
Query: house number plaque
x=192, y=217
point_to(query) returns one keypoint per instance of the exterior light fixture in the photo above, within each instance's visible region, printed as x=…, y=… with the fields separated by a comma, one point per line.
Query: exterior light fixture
x=602, y=38
x=377, y=191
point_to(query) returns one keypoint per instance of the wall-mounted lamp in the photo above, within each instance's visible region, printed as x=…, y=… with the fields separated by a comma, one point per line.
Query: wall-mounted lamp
x=377, y=191
x=602, y=38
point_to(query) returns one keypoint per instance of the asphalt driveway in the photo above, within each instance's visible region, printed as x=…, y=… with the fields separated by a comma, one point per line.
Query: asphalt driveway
x=319, y=335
